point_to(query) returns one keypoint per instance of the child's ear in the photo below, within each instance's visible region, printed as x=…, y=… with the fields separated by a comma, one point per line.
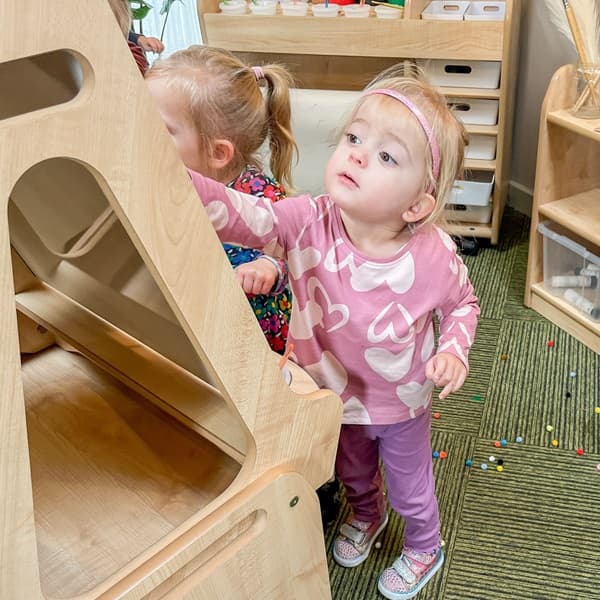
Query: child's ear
x=221, y=154
x=420, y=210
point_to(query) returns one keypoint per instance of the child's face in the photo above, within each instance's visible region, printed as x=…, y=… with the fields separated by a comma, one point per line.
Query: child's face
x=182, y=132
x=378, y=167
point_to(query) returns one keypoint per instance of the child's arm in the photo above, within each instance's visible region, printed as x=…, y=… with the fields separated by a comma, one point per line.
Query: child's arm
x=458, y=315
x=249, y=221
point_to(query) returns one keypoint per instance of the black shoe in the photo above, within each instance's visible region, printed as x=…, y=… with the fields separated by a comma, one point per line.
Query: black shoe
x=330, y=500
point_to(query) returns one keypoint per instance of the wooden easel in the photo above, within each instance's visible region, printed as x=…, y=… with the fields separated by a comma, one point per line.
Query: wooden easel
x=149, y=445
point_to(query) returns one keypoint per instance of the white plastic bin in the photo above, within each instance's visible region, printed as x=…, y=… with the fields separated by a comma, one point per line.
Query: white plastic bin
x=571, y=271
x=457, y=73
x=481, y=147
x=485, y=11
x=445, y=10
x=475, y=111
x=474, y=191
x=468, y=214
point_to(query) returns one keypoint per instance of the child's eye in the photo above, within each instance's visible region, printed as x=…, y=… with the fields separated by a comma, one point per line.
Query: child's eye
x=387, y=158
x=352, y=139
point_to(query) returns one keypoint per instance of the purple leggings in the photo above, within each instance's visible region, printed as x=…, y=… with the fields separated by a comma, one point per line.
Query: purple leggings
x=405, y=450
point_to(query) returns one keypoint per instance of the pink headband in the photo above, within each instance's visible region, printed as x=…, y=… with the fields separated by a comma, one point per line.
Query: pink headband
x=258, y=73
x=435, y=151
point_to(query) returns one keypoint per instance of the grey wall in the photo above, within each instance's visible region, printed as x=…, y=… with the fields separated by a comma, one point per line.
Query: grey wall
x=542, y=51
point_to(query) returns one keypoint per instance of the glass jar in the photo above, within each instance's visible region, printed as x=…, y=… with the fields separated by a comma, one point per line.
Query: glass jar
x=587, y=104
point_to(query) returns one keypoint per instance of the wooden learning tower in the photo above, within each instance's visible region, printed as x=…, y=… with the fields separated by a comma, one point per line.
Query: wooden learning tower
x=149, y=445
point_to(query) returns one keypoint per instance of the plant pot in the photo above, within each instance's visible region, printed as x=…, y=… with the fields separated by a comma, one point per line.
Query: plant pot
x=233, y=7
x=263, y=7
x=357, y=11
x=294, y=9
x=326, y=10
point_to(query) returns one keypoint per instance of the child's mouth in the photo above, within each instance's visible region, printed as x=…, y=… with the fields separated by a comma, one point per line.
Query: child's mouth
x=347, y=180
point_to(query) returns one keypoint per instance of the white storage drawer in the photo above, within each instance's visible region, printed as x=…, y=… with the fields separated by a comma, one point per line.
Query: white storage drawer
x=445, y=10
x=468, y=214
x=485, y=11
x=475, y=111
x=474, y=191
x=481, y=147
x=462, y=73
x=571, y=271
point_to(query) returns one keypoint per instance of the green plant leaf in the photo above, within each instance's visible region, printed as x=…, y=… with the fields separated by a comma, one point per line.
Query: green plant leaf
x=139, y=9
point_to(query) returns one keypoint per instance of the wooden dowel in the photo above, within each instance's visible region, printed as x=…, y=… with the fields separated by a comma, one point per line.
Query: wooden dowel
x=583, y=58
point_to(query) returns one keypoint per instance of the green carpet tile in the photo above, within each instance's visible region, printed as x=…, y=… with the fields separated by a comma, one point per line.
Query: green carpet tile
x=531, y=532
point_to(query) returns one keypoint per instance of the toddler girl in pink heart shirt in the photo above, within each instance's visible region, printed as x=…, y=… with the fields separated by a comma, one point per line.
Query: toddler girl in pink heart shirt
x=369, y=269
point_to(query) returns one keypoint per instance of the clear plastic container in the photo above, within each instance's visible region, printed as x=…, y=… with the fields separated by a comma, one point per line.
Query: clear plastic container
x=233, y=7
x=294, y=9
x=587, y=105
x=571, y=271
x=263, y=7
x=360, y=11
x=386, y=12
x=326, y=10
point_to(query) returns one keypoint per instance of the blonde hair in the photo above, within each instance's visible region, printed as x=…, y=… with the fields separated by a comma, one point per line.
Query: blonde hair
x=122, y=12
x=449, y=133
x=224, y=100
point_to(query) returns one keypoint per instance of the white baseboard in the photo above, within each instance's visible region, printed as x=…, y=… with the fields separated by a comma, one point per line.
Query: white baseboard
x=520, y=197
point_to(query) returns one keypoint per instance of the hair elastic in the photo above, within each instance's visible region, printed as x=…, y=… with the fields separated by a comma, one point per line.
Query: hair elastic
x=258, y=73
x=433, y=145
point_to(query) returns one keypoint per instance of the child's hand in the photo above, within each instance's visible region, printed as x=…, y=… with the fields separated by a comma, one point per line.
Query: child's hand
x=257, y=277
x=150, y=44
x=445, y=369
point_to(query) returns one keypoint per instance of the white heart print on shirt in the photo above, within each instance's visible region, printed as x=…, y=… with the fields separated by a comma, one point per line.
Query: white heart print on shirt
x=398, y=275
x=390, y=366
x=414, y=395
x=331, y=316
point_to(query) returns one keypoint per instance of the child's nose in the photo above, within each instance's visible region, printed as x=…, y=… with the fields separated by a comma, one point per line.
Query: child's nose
x=358, y=156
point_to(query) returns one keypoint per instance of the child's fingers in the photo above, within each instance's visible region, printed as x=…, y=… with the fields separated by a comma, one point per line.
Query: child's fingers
x=430, y=368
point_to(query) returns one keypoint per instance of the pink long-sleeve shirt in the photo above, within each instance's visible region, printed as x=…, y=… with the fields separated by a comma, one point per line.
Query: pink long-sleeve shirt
x=361, y=326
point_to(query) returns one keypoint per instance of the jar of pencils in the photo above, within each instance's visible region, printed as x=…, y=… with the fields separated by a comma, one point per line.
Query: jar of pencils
x=587, y=104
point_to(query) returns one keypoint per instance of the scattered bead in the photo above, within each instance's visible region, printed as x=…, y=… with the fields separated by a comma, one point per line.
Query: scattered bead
x=519, y=439
x=579, y=452
x=436, y=415
x=598, y=467
x=573, y=374
x=492, y=459
x=554, y=443
x=468, y=462
x=568, y=395
x=443, y=454
x=377, y=545
x=497, y=444
x=503, y=443
x=500, y=461
x=477, y=398
x=549, y=428
x=550, y=343
x=435, y=454
x=503, y=356
x=499, y=468
x=484, y=466
x=597, y=410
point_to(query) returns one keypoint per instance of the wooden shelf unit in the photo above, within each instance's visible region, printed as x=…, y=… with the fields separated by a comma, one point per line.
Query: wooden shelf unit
x=567, y=192
x=345, y=53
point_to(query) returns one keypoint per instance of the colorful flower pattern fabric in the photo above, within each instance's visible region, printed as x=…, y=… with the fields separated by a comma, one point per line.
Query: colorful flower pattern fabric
x=272, y=310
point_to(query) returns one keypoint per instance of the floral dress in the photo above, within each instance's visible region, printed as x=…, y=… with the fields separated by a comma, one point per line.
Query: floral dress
x=272, y=310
